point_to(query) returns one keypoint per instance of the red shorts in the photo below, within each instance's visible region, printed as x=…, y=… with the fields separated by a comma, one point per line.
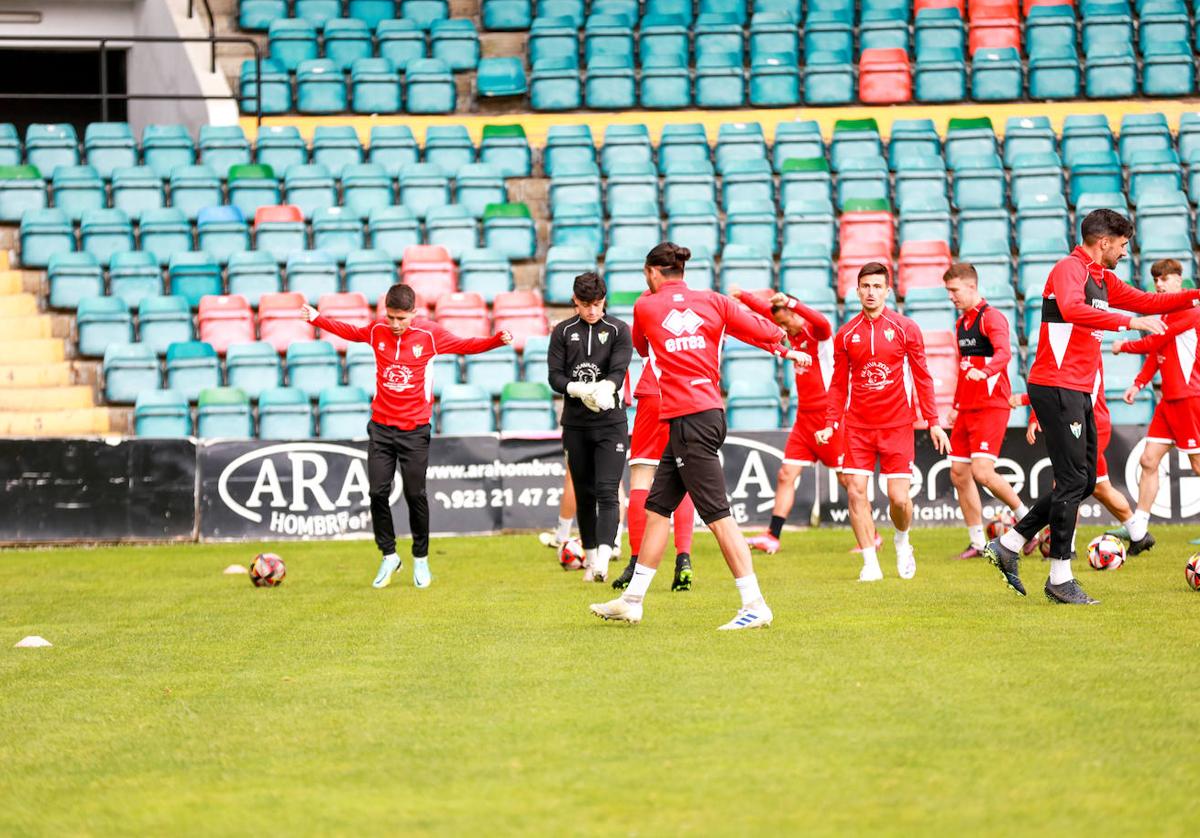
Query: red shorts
x=892, y=446
x=978, y=433
x=1103, y=437
x=1174, y=423
x=649, y=434
x=802, y=448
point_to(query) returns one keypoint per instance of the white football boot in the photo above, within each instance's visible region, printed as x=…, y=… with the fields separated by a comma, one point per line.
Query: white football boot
x=750, y=617
x=870, y=573
x=619, y=609
x=906, y=562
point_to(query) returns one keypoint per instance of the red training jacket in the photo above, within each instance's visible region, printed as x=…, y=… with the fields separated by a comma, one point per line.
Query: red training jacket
x=1076, y=310
x=815, y=337
x=403, y=383
x=877, y=365
x=1173, y=355
x=982, y=335
x=681, y=329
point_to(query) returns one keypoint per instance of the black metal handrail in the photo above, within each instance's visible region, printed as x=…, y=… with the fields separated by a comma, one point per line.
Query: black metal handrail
x=103, y=44
x=212, y=30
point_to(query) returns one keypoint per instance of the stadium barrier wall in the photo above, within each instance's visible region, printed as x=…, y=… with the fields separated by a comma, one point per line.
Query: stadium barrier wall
x=54, y=491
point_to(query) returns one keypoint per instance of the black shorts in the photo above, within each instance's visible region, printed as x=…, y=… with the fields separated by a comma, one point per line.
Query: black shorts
x=691, y=464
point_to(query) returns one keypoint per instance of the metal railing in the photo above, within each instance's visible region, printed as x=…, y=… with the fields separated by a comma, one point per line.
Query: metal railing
x=212, y=30
x=112, y=43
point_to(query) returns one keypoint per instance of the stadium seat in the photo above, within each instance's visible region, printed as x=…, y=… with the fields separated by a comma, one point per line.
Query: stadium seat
x=465, y=409
x=252, y=186
x=555, y=85
x=44, y=232
x=463, y=314
x=74, y=277
x=21, y=188
x=1143, y=132
x=393, y=147
x=1035, y=174
x=279, y=146
x=104, y=232
x=424, y=12
x=320, y=87
x=375, y=87
x=509, y=229
x=806, y=272
x=134, y=276
x=485, y=272
x=453, y=228
x=166, y=146
x=996, y=74
x=884, y=76
x=689, y=180
x=224, y=412
x=578, y=224
x=739, y=141
x=449, y=147
x=345, y=41
x=422, y=186
x=753, y=404
x=318, y=12
x=254, y=367
x=222, y=146
x=137, y=188
x=492, y=370
x=268, y=79
x=257, y=15
x=939, y=75
x=312, y=273
x=566, y=146
x=309, y=187
x=161, y=413
x=799, y=140
x=365, y=186
x=400, y=42
x=360, y=367
x=350, y=307
x=563, y=264
x=575, y=183
x=1095, y=172
x=337, y=231
x=610, y=83
x=534, y=358
x=48, y=146
x=625, y=144
x=312, y=366
x=752, y=223
x=279, y=231
x=635, y=183
x=429, y=87
x=192, y=366
x=1154, y=171
x=922, y=264
x=695, y=225
x=128, y=370
x=429, y=270
x=527, y=406
x=393, y=230
x=522, y=314
x=805, y=179
x=284, y=413
x=280, y=321
x=344, y=412
x=809, y=222
x=369, y=272
x=477, y=185
x=193, y=188
x=78, y=189
x=665, y=82
x=109, y=146
x=920, y=178
x=222, y=232
x=828, y=77
x=163, y=321
x=193, y=275
x=225, y=320
x=507, y=149
x=745, y=266
x=335, y=147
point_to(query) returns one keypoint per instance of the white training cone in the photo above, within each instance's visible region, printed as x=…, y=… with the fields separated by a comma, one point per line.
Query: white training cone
x=33, y=641
x=236, y=570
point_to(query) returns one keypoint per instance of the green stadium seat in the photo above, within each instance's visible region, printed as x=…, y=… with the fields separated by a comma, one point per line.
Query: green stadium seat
x=375, y=87
x=312, y=366
x=465, y=409
x=344, y=412
x=400, y=42
x=162, y=414
x=312, y=273
x=506, y=148
x=48, y=146
x=193, y=275
x=854, y=138
x=527, y=406
x=393, y=230
x=21, y=188
x=102, y=321
x=337, y=231
x=104, y=232
x=109, y=146
x=310, y=187
x=273, y=83
x=78, y=189
x=429, y=87
x=74, y=277
x=129, y=369
x=284, y=413
x=134, y=276
x=252, y=274
x=224, y=412
x=805, y=180
x=137, y=188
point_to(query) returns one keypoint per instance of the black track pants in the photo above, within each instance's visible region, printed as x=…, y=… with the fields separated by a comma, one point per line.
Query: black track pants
x=596, y=457
x=388, y=447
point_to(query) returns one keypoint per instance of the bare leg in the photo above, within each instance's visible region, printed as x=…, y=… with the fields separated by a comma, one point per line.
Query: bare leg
x=1112, y=500
x=968, y=493
x=1152, y=455
x=984, y=472
x=566, y=505
x=899, y=503
x=733, y=547
x=860, y=510
x=785, y=488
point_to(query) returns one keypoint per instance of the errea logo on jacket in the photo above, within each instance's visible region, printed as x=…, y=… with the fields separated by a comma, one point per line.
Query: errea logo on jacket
x=684, y=325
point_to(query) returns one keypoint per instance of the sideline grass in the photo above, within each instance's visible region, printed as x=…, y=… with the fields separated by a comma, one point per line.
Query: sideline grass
x=180, y=701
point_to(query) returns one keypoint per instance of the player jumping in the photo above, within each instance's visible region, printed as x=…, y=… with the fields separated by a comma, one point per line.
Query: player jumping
x=980, y=414
x=878, y=363
x=399, y=430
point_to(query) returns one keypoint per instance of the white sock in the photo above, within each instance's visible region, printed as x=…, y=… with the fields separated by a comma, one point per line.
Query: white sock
x=564, y=529
x=1138, y=525
x=900, y=539
x=1060, y=571
x=589, y=557
x=640, y=583
x=1021, y=511
x=1013, y=540
x=870, y=559
x=603, y=556
x=748, y=587
x=420, y=560
x=976, y=535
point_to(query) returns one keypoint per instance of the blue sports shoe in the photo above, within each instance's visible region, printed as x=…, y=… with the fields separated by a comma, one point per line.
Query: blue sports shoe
x=421, y=575
x=387, y=567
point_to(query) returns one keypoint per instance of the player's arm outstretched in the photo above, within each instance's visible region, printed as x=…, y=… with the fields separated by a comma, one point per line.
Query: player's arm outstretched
x=346, y=331
x=447, y=343
x=914, y=349
x=818, y=323
x=1151, y=344
x=1067, y=287
x=757, y=330
x=1125, y=296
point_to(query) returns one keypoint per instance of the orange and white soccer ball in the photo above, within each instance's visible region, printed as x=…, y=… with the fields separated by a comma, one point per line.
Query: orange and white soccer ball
x=267, y=570
x=1001, y=524
x=1106, y=552
x=1193, y=572
x=570, y=554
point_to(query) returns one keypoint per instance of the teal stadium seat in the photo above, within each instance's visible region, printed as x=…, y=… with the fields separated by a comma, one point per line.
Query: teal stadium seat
x=1095, y=172
x=695, y=225
x=360, y=367
x=346, y=40
x=429, y=87
x=605, y=33
x=310, y=187
x=426, y=12
x=921, y=178
x=500, y=77
x=279, y=146
x=553, y=36
x=534, y=365
x=446, y=370
x=257, y=15
x=465, y=409
x=477, y=185
x=370, y=273
x=193, y=188
x=665, y=82
x=222, y=146
x=318, y=12
x=129, y=369
x=50, y=145
x=21, y=188
x=799, y=140
x=572, y=9
x=162, y=232
x=689, y=180
x=44, y=232
x=109, y=146
x=940, y=75
x=625, y=144
x=335, y=147
x=720, y=80
x=576, y=183
x=166, y=146
x=492, y=370
x=939, y=28
x=393, y=230
x=912, y=138
x=291, y=42
x=862, y=178
x=746, y=266
x=137, y=188
x=979, y=182
x=371, y=12
x=774, y=33
x=449, y=147
x=104, y=232
x=555, y=84
x=222, y=231
x=567, y=145
x=996, y=75
x=78, y=189
x=74, y=277
x=224, y=412
x=162, y=414
x=637, y=182
x=344, y=412
x=312, y=366
x=1143, y=132
x=452, y=227
x=563, y=264
x=1035, y=174
x=320, y=87
x=805, y=179
x=1154, y=171
x=10, y=145
x=806, y=272
x=809, y=222
x=577, y=224
x=337, y=231
x=1111, y=71
x=273, y=84
x=636, y=225
x=752, y=223
x=1039, y=216
x=393, y=147
x=422, y=187
x=193, y=275
x=134, y=276
x=312, y=273
x=102, y=321
x=284, y=413
x=400, y=42
x=484, y=272
x=366, y=186
x=507, y=148
x=456, y=42
x=375, y=87
x=753, y=403
x=609, y=83
x=252, y=274
x=163, y=321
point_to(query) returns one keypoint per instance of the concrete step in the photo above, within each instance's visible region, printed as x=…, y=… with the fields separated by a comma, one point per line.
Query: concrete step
x=10, y=283
x=37, y=326
x=37, y=375
x=92, y=421
x=19, y=304
x=45, y=399
x=35, y=351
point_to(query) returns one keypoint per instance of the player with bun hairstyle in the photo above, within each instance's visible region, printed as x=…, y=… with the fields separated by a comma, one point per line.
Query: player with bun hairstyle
x=680, y=330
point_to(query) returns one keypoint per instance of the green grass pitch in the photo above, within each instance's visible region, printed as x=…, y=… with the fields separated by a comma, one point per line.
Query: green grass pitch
x=179, y=701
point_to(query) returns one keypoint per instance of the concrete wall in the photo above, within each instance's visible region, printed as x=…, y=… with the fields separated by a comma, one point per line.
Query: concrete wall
x=151, y=68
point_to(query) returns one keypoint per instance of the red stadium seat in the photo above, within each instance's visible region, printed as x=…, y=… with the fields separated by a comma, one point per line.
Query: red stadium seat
x=463, y=313
x=941, y=342
x=280, y=321
x=979, y=9
x=429, y=269
x=922, y=265
x=849, y=264
x=350, y=308
x=944, y=369
x=522, y=313
x=884, y=76
x=282, y=212
x=994, y=33
x=873, y=229
x=225, y=319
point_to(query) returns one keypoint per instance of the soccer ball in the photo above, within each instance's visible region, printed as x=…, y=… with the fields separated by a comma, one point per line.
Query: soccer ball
x=570, y=554
x=1044, y=544
x=1193, y=572
x=1001, y=524
x=267, y=570
x=1106, y=552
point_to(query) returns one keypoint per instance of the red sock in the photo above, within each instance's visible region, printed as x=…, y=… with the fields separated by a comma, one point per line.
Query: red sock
x=635, y=518
x=684, y=520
